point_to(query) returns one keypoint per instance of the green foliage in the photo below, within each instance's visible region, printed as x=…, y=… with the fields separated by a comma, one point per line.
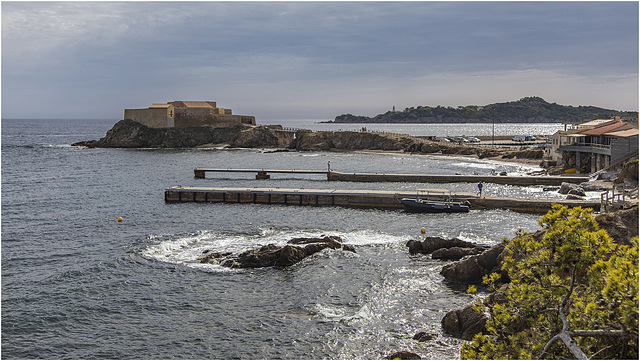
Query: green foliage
x=472, y=290
x=604, y=296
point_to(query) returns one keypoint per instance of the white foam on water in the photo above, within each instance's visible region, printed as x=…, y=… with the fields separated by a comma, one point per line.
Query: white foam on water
x=186, y=249
x=333, y=313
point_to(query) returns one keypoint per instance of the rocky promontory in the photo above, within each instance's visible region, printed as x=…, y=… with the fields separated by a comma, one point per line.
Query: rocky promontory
x=131, y=134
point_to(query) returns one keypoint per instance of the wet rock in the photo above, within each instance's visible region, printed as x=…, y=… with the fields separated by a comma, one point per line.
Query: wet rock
x=445, y=249
x=348, y=248
x=403, y=355
x=464, y=323
x=424, y=337
x=455, y=253
x=209, y=256
x=573, y=196
x=565, y=188
x=272, y=255
x=472, y=269
x=577, y=192
x=334, y=241
x=431, y=244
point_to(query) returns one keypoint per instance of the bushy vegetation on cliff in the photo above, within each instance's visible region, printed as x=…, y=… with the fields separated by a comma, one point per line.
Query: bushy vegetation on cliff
x=529, y=109
x=572, y=294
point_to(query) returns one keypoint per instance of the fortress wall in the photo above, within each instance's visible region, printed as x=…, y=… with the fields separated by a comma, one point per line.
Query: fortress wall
x=152, y=118
x=201, y=117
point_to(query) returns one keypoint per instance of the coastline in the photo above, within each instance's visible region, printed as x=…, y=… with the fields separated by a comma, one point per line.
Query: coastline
x=498, y=158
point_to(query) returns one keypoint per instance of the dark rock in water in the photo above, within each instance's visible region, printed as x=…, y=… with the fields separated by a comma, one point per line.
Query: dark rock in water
x=264, y=256
x=570, y=188
x=464, y=323
x=348, y=248
x=209, y=257
x=577, y=192
x=472, y=269
x=414, y=246
x=424, y=337
x=453, y=248
x=335, y=241
x=272, y=255
x=455, y=253
x=431, y=244
x=573, y=196
x=403, y=355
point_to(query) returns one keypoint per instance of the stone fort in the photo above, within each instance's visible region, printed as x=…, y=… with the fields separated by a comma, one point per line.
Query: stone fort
x=180, y=114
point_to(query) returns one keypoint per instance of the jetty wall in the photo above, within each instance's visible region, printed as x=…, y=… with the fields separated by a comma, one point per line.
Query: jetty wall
x=355, y=198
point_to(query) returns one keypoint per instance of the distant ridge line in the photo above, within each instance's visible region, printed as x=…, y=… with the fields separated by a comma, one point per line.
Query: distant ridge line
x=526, y=110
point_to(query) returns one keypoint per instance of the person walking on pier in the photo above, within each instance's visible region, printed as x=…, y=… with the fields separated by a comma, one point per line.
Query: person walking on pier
x=479, y=194
x=329, y=166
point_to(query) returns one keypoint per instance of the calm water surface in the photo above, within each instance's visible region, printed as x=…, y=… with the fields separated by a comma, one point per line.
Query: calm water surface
x=76, y=284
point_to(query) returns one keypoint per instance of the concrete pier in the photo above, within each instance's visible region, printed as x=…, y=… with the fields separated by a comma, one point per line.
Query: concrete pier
x=355, y=198
x=413, y=178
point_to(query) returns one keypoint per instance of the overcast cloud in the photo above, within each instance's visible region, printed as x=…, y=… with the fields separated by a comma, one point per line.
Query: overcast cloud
x=313, y=60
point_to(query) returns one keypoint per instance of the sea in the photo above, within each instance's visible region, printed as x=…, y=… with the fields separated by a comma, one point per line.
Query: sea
x=79, y=284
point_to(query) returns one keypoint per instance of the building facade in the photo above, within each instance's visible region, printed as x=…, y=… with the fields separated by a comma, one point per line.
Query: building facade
x=180, y=114
x=594, y=145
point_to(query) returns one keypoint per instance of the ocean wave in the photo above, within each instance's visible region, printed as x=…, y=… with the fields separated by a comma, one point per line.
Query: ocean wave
x=186, y=249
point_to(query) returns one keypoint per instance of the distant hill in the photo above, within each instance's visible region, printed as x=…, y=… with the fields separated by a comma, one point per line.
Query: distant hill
x=525, y=110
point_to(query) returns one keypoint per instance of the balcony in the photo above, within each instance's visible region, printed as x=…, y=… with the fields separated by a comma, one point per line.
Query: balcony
x=595, y=148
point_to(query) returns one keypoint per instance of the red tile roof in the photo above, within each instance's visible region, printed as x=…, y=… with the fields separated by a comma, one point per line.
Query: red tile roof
x=604, y=129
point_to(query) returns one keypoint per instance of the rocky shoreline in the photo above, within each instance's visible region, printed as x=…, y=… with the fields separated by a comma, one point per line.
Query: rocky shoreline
x=466, y=322
x=130, y=134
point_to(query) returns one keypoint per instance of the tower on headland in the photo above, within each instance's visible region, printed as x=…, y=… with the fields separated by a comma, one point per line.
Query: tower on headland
x=184, y=113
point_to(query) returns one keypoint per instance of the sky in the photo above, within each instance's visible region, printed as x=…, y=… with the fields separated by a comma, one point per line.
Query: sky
x=313, y=60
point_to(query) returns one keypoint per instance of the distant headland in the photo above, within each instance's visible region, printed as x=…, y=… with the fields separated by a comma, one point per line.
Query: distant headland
x=525, y=110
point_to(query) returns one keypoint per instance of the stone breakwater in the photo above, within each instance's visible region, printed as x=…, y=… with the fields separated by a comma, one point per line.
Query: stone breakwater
x=130, y=134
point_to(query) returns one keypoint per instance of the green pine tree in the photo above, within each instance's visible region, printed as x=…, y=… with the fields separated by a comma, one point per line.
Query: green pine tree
x=572, y=294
